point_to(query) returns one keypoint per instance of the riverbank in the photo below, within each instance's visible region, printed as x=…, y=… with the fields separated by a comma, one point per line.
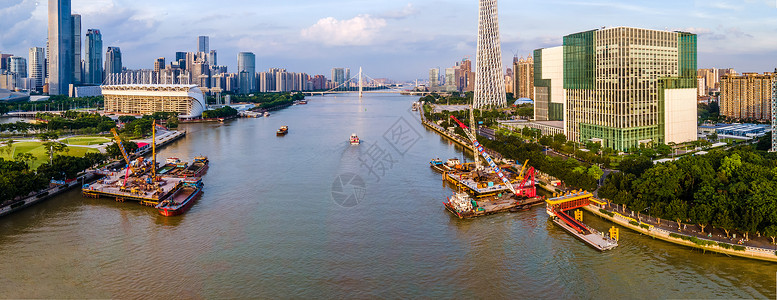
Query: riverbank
x=664, y=234
x=681, y=238
x=45, y=194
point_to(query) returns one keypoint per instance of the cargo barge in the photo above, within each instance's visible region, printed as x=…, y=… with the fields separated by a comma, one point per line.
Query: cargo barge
x=182, y=199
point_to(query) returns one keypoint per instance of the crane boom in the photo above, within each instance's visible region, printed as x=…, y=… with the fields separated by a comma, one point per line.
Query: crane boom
x=123, y=153
x=487, y=157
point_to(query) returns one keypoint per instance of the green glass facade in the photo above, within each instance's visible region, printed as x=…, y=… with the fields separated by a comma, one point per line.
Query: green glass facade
x=616, y=80
x=580, y=60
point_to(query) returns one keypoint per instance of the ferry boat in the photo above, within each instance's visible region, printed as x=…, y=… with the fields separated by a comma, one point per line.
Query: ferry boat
x=182, y=199
x=283, y=130
x=355, y=139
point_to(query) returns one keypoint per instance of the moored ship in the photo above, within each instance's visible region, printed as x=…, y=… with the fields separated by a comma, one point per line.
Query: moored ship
x=182, y=199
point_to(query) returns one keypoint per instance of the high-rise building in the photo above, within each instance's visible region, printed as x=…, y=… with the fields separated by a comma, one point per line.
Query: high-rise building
x=774, y=111
x=77, y=72
x=212, y=58
x=246, y=69
x=203, y=45
x=93, y=54
x=549, y=94
x=159, y=64
x=36, y=67
x=524, y=77
x=18, y=65
x=746, y=96
x=628, y=87
x=489, y=80
x=60, y=47
x=113, y=61
x=340, y=76
x=434, y=77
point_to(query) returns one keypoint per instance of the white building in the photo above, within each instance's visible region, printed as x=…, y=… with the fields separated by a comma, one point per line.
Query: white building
x=144, y=99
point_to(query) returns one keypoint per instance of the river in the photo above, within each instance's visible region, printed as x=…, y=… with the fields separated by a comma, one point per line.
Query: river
x=308, y=216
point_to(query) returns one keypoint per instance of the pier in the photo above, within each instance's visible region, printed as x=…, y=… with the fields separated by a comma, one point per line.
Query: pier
x=557, y=208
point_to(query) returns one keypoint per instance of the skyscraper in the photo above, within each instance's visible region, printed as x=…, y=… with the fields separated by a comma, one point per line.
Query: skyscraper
x=628, y=87
x=60, y=47
x=434, y=77
x=36, y=66
x=112, y=60
x=246, y=69
x=203, y=44
x=489, y=80
x=93, y=65
x=159, y=64
x=77, y=74
x=747, y=96
x=18, y=65
x=774, y=112
x=212, y=58
x=549, y=94
x=340, y=76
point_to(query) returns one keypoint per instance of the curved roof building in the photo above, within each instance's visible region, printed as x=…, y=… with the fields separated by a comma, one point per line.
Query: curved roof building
x=144, y=99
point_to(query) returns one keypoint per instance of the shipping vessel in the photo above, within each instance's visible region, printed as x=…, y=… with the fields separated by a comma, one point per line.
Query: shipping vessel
x=282, y=131
x=183, y=198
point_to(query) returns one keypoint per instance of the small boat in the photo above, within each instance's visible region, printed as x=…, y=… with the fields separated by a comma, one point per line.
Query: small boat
x=355, y=139
x=282, y=131
x=301, y=102
x=452, y=163
x=266, y=114
x=182, y=199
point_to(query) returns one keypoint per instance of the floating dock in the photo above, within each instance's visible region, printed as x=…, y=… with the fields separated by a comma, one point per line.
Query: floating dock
x=592, y=238
x=136, y=189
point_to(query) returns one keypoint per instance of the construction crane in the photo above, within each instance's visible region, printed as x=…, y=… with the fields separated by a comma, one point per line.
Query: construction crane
x=123, y=153
x=480, y=149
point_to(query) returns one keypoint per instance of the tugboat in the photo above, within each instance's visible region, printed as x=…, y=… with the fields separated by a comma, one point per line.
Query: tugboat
x=355, y=139
x=461, y=205
x=182, y=199
x=282, y=131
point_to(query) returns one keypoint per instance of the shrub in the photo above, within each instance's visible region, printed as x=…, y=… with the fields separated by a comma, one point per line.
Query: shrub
x=724, y=245
x=634, y=223
x=738, y=248
x=644, y=226
x=604, y=211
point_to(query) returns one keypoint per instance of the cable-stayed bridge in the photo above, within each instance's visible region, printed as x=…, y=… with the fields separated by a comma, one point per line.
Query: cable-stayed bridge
x=363, y=83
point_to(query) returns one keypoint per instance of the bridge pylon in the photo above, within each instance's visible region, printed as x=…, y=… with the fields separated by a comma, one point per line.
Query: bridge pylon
x=361, y=85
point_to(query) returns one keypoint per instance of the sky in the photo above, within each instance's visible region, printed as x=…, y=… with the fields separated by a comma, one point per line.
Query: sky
x=397, y=39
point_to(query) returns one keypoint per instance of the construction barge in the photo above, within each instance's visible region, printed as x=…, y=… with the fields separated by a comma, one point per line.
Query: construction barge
x=145, y=182
x=557, y=208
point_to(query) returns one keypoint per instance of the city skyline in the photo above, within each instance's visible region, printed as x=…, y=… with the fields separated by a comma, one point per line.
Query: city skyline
x=315, y=37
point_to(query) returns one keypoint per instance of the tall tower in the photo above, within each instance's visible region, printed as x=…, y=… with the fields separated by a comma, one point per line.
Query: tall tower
x=36, y=61
x=60, y=47
x=93, y=64
x=489, y=81
x=112, y=61
x=77, y=74
x=203, y=44
x=246, y=70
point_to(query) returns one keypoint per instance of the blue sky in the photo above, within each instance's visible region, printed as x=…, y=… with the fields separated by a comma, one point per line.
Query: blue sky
x=396, y=39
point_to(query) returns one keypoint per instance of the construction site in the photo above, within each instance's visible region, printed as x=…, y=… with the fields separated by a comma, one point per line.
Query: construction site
x=486, y=190
x=142, y=180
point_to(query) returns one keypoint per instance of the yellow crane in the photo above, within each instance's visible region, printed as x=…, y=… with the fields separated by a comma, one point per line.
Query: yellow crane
x=123, y=153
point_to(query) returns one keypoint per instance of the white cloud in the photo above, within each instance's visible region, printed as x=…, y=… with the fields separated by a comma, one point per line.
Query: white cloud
x=361, y=30
x=405, y=12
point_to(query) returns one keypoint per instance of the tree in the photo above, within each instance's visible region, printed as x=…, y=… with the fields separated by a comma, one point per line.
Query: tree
x=53, y=148
x=765, y=142
x=723, y=221
x=663, y=150
x=25, y=157
x=771, y=231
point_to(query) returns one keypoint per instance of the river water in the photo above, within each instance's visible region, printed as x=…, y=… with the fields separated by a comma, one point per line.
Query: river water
x=307, y=216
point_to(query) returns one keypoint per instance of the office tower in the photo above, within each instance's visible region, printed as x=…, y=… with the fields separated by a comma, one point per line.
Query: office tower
x=747, y=96
x=489, y=80
x=774, y=111
x=159, y=64
x=18, y=65
x=4, y=60
x=93, y=54
x=524, y=77
x=450, y=78
x=246, y=69
x=36, y=67
x=628, y=87
x=60, y=47
x=77, y=74
x=203, y=45
x=434, y=77
x=549, y=94
x=112, y=61
x=212, y=58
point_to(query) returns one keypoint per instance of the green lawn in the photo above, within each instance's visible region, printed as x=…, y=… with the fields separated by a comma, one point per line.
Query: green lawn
x=37, y=150
x=86, y=140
